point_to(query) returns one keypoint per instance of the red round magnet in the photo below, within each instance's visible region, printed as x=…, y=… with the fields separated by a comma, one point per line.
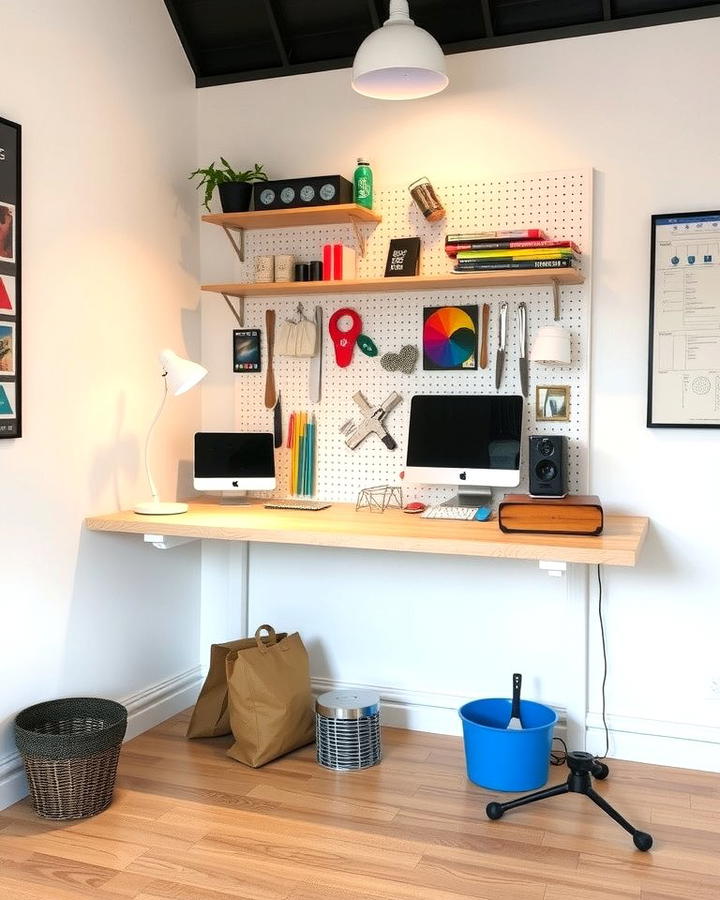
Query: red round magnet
x=344, y=340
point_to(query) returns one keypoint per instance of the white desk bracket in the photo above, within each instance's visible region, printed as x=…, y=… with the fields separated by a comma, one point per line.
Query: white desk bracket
x=553, y=567
x=161, y=542
x=237, y=243
x=359, y=236
x=556, y=300
x=239, y=313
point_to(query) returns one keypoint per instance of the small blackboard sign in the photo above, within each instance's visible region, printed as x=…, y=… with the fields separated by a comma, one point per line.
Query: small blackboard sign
x=403, y=257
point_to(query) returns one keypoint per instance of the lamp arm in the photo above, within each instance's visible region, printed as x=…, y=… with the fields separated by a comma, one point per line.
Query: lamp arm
x=153, y=489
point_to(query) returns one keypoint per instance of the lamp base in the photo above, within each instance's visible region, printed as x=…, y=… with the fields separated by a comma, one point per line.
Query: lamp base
x=156, y=508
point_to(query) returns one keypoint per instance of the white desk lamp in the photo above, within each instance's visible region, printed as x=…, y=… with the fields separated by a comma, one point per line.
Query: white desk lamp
x=179, y=375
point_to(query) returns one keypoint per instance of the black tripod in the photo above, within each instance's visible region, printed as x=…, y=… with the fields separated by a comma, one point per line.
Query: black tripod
x=582, y=766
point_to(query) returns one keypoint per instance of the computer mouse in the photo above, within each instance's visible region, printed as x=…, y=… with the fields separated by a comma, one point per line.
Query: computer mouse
x=414, y=508
x=483, y=514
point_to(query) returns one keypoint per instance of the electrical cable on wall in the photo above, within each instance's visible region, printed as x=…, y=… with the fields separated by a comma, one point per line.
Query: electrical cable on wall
x=605, y=663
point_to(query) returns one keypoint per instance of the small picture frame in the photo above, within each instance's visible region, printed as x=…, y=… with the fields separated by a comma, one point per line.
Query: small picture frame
x=246, y=350
x=552, y=403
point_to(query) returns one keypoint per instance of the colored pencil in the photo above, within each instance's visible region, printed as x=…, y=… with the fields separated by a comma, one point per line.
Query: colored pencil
x=311, y=457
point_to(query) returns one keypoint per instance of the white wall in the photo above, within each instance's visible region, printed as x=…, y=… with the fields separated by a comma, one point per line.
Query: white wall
x=107, y=105
x=637, y=107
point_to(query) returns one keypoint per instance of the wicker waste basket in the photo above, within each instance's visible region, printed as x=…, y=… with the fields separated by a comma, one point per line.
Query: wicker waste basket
x=70, y=750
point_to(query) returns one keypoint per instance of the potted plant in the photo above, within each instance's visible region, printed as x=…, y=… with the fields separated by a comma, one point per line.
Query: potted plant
x=234, y=187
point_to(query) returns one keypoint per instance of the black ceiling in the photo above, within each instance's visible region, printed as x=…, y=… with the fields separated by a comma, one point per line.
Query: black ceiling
x=243, y=40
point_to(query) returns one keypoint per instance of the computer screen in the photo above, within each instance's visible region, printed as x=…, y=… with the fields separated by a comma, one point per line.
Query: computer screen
x=232, y=461
x=465, y=439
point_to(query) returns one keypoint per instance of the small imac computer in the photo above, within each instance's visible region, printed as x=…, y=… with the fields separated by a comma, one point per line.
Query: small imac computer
x=234, y=463
x=471, y=442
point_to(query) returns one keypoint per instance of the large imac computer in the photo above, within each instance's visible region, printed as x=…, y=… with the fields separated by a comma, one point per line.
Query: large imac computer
x=234, y=462
x=470, y=441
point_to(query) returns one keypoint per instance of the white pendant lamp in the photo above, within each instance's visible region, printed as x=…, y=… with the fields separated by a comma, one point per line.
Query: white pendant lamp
x=399, y=61
x=179, y=375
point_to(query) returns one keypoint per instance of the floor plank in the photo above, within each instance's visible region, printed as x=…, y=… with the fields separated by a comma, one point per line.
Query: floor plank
x=189, y=823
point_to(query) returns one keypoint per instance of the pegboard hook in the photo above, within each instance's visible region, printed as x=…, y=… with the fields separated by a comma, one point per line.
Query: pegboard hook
x=556, y=299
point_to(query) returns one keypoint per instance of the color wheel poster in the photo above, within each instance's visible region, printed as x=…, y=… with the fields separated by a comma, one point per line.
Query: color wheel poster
x=9, y=279
x=684, y=382
x=450, y=337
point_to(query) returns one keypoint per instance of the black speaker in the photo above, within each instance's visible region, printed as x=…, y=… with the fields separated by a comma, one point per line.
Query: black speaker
x=548, y=465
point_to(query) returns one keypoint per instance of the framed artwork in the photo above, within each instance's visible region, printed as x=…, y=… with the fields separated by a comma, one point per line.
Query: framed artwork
x=10, y=263
x=450, y=337
x=552, y=403
x=684, y=340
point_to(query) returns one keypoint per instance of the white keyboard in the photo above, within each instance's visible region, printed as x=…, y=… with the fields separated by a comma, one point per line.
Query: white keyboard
x=450, y=512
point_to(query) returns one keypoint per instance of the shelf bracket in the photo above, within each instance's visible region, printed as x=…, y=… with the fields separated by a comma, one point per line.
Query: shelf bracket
x=553, y=567
x=556, y=300
x=239, y=243
x=161, y=542
x=239, y=313
x=359, y=236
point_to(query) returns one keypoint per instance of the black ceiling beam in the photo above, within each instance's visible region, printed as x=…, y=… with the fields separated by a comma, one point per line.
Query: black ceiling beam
x=277, y=34
x=324, y=65
x=583, y=30
x=374, y=17
x=186, y=45
x=487, y=18
x=486, y=43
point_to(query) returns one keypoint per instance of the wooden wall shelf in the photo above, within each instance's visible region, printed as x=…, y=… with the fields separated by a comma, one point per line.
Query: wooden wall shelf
x=409, y=284
x=342, y=526
x=341, y=213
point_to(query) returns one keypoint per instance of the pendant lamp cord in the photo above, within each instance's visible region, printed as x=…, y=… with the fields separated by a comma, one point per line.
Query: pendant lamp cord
x=153, y=489
x=399, y=11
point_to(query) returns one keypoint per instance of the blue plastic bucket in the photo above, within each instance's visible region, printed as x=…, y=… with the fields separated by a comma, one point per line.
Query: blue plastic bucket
x=505, y=760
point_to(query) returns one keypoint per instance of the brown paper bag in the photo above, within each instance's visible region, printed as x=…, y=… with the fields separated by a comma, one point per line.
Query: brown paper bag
x=271, y=704
x=210, y=717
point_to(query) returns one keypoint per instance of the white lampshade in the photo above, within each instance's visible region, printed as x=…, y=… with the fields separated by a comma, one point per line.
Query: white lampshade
x=399, y=61
x=551, y=345
x=181, y=374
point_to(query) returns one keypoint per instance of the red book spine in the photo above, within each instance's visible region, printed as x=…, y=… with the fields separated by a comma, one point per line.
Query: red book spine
x=327, y=258
x=337, y=263
x=452, y=248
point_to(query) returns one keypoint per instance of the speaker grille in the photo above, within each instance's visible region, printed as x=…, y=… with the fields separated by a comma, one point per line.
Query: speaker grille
x=347, y=730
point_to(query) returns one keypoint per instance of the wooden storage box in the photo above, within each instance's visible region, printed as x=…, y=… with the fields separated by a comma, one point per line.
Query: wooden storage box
x=574, y=514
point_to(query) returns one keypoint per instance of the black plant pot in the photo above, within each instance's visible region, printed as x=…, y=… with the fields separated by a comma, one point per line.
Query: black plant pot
x=235, y=196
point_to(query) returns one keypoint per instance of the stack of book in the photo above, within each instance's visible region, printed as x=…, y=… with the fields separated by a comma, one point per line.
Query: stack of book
x=525, y=248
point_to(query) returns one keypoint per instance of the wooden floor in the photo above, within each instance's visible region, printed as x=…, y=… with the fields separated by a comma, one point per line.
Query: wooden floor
x=189, y=823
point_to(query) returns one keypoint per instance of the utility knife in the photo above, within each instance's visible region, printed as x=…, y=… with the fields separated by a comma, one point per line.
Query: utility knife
x=502, y=337
x=521, y=322
x=277, y=422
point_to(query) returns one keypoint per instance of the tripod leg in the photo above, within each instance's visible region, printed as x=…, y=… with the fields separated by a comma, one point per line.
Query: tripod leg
x=496, y=810
x=642, y=840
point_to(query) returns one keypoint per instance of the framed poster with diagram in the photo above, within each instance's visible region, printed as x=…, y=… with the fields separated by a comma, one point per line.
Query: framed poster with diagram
x=10, y=263
x=684, y=345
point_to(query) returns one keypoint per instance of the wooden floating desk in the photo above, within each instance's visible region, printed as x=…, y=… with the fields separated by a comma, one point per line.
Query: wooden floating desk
x=342, y=526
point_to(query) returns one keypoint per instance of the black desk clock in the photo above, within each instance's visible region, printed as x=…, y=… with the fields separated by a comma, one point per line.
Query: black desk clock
x=325, y=190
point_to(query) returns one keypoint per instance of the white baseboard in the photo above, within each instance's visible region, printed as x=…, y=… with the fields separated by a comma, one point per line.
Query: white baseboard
x=680, y=744
x=146, y=708
x=418, y=710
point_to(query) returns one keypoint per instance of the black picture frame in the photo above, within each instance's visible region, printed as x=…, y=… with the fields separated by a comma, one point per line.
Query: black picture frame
x=10, y=279
x=687, y=223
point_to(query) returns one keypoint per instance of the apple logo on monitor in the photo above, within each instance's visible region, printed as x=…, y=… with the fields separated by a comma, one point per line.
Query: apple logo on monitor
x=463, y=476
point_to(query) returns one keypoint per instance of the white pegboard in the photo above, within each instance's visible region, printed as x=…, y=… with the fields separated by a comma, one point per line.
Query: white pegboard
x=558, y=202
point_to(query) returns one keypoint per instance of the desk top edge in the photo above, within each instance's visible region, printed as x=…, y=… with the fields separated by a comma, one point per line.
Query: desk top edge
x=341, y=526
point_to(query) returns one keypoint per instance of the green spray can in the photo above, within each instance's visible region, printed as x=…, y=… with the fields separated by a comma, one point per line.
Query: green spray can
x=363, y=183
